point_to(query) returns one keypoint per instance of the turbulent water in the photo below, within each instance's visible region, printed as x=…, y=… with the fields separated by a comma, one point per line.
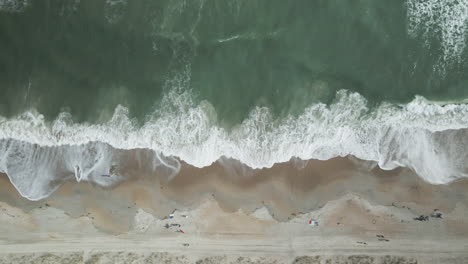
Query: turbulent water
x=83, y=83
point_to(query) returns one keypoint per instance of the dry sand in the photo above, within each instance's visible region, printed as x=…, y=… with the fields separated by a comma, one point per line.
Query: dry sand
x=232, y=214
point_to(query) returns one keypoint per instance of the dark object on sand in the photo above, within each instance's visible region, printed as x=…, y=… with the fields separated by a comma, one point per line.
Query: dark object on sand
x=422, y=218
x=166, y=226
x=363, y=243
x=436, y=214
x=380, y=236
x=175, y=225
x=186, y=244
x=383, y=239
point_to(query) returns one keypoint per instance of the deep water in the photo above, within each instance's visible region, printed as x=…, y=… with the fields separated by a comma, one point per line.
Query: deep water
x=86, y=57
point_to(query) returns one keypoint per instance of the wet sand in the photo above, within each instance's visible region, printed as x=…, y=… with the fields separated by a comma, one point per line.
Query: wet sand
x=233, y=214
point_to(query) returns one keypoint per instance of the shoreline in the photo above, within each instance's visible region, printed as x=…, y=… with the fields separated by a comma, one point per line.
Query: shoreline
x=48, y=167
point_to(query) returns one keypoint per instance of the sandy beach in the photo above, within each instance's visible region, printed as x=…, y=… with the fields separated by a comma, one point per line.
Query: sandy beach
x=227, y=213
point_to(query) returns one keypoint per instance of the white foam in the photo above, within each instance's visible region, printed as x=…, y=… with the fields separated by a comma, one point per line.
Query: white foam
x=447, y=19
x=37, y=171
x=421, y=135
x=13, y=6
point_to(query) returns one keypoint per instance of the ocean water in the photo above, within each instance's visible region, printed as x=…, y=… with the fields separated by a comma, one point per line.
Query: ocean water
x=83, y=83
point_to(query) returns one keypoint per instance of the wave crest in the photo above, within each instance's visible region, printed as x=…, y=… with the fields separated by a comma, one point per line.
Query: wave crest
x=447, y=19
x=421, y=135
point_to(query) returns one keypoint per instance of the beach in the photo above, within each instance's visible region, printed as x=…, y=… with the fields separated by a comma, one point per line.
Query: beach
x=364, y=215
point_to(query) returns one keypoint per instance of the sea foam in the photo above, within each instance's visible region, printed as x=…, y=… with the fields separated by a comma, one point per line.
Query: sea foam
x=426, y=137
x=446, y=19
x=13, y=6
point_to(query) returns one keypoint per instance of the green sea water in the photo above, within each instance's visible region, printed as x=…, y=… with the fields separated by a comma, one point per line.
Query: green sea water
x=86, y=57
x=92, y=87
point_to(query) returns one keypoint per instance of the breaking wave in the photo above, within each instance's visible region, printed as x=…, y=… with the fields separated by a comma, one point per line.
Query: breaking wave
x=426, y=137
x=446, y=19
